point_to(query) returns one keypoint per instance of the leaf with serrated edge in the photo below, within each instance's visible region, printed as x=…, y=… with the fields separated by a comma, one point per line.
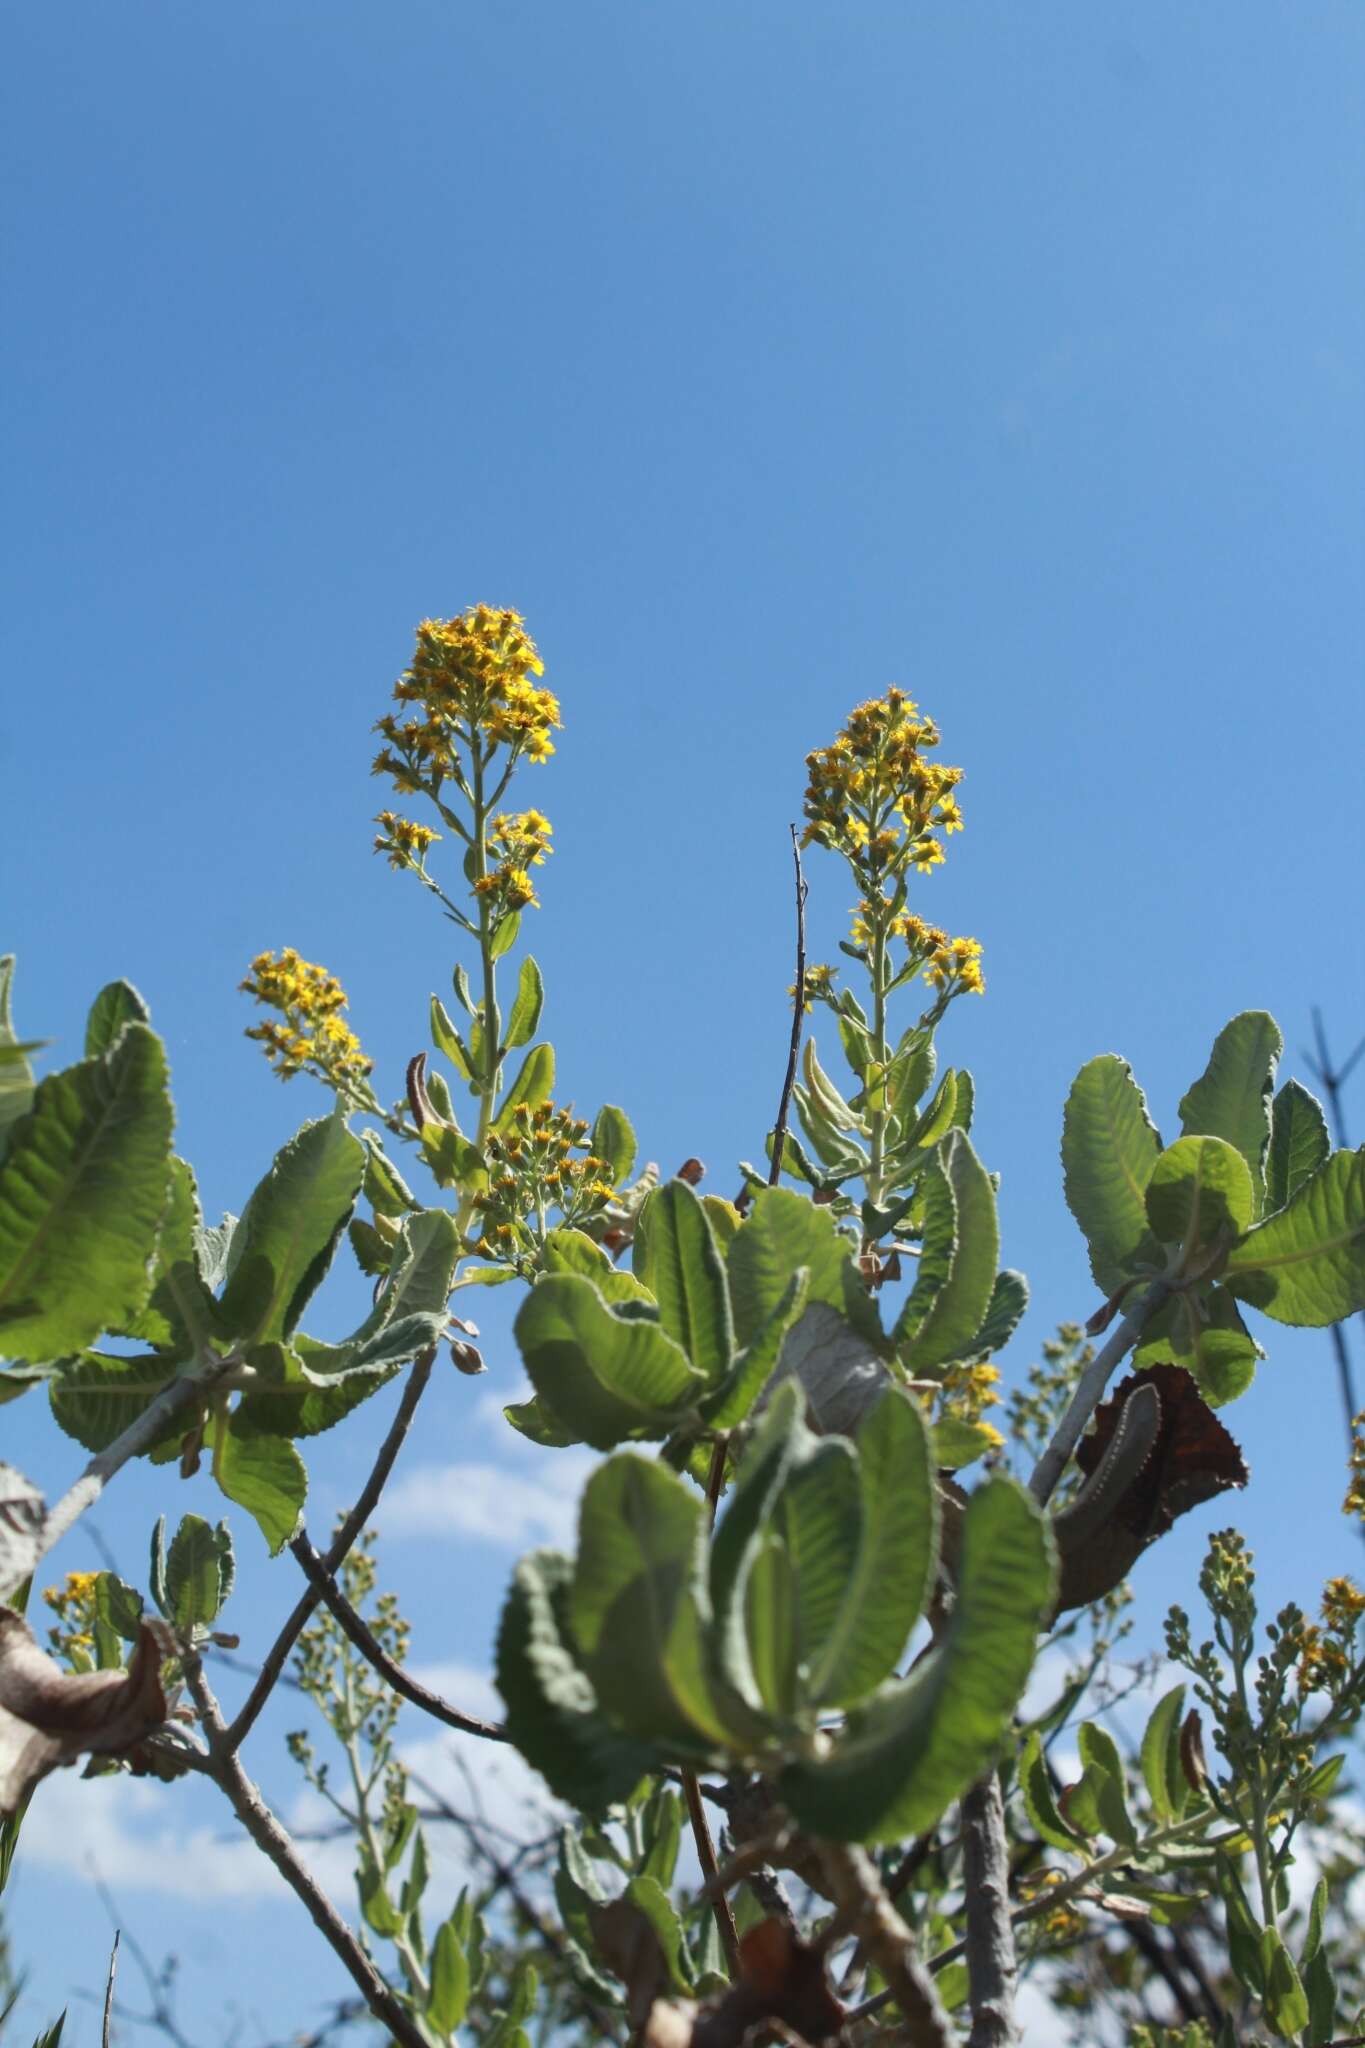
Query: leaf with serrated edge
x=961, y=1302
x=1231, y=1098
x=1109, y=1147
x=905, y=1756
x=289, y=1230
x=263, y=1474
x=898, y=1544
x=638, y=1606
x=606, y=1377
x=552, y=1713
x=82, y=1194
x=1306, y=1265
x=1298, y=1143
x=687, y=1274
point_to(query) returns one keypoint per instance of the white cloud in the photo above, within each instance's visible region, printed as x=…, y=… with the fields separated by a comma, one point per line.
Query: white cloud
x=494, y=1503
x=131, y=1835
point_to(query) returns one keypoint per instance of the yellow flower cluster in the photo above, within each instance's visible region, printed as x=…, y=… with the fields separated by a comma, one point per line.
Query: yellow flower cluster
x=73, y=1603
x=872, y=796
x=965, y=1392
x=1343, y=1603
x=313, y=1035
x=535, y=1169
x=1354, y=1503
x=818, y=983
x=406, y=844
x=470, y=683
x=521, y=840
x=1062, y=1923
x=1322, y=1660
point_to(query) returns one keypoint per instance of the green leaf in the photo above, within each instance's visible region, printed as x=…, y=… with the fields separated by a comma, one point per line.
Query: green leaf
x=263, y=1474
x=605, y=1376
x=16, y=1075
x=780, y=1440
x=613, y=1139
x=1160, y=1757
x=573, y=1251
x=638, y=1607
x=960, y=1303
x=1317, y=1914
x=687, y=1274
x=1109, y=1147
x=785, y=1230
x=195, y=1573
x=825, y=1096
x=1039, y=1802
x=904, y=1757
x=307, y=1388
x=897, y=1529
x=505, y=935
x=1200, y=1189
x=729, y=1404
x=117, y=1004
x=535, y=1079
x=1231, y=1098
x=817, y=1517
x=527, y=1006
x=289, y=1230
x=1201, y=1329
x=82, y=1192
x=95, y=1396
x=1004, y=1313
x=1298, y=1144
x=448, y=1041
x=1286, y=2003
x=118, y=1606
x=449, y=1997
x=1319, y=1982
x=385, y=1188
x=938, y=1243
x=552, y=1712
x=1306, y=1265
x=1101, y=1788
x=539, y=1424
x=958, y=1443
x=180, y=1315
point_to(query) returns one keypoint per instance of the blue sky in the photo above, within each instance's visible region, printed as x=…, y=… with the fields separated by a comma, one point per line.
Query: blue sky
x=762, y=355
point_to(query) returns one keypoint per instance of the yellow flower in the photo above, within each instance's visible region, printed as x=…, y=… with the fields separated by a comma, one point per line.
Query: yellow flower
x=1343, y=1603
x=471, y=679
x=313, y=1034
x=405, y=843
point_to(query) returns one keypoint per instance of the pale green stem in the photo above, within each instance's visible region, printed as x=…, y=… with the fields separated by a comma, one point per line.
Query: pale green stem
x=412, y=1969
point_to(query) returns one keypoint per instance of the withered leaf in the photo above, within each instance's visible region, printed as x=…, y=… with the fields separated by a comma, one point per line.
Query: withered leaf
x=50, y=1717
x=781, y=1978
x=1157, y=1450
x=22, y=1519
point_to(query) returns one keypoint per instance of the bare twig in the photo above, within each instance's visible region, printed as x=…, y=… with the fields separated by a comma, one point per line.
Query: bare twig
x=864, y=1906
x=798, y=1018
x=710, y=1870
x=138, y=1437
x=225, y=1768
x=109, y=1993
x=992, y=1972
x=346, y=1535
x=394, y=1676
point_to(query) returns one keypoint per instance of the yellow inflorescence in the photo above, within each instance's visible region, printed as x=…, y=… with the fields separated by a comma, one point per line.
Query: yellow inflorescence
x=872, y=795
x=1354, y=1503
x=406, y=844
x=1343, y=1603
x=469, y=685
x=73, y=1603
x=313, y=1034
x=538, y=1167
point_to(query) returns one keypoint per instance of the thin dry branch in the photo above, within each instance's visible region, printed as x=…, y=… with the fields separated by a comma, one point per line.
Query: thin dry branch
x=278, y=1653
